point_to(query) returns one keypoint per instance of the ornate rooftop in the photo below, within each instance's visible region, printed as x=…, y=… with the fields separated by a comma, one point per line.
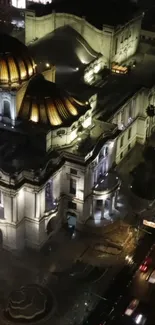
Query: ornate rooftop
x=43, y=102
x=16, y=64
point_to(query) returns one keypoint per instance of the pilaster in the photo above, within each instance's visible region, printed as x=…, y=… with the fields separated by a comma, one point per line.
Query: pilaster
x=102, y=211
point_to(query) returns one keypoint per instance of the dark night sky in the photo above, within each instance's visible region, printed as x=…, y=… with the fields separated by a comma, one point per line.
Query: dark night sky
x=97, y=12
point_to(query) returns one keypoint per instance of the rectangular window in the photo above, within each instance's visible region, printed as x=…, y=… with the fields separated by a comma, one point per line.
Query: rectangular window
x=116, y=45
x=129, y=133
x=71, y=205
x=73, y=186
x=130, y=109
x=121, y=155
x=121, y=141
x=123, y=116
x=73, y=171
x=129, y=147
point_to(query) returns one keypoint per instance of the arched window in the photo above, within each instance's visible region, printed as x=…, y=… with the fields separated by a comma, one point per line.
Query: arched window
x=101, y=154
x=6, y=109
x=49, y=196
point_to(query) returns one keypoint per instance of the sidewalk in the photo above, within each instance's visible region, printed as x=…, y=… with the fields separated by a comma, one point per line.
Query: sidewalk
x=136, y=204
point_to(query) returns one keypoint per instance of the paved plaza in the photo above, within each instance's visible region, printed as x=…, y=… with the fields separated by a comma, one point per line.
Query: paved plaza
x=52, y=268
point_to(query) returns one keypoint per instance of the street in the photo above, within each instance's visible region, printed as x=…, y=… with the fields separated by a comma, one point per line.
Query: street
x=144, y=292
x=119, y=294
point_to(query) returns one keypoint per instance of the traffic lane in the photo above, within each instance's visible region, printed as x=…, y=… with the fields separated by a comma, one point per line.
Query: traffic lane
x=106, y=304
x=120, y=302
x=144, y=291
x=119, y=286
x=147, y=311
x=140, y=286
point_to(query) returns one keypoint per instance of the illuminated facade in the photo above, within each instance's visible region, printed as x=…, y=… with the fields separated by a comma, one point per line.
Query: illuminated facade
x=57, y=153
x=22, y=4
x=111, y=43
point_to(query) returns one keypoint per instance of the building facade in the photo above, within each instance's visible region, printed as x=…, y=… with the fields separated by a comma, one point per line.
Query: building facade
x=56, y=153
x=115, y=44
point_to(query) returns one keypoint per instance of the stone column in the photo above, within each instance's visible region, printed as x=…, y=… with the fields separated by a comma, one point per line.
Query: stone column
x=102, y=211
x=38, y=205
x=110, y=206
x=93, y=207
x=115, y=199
x=7, y=207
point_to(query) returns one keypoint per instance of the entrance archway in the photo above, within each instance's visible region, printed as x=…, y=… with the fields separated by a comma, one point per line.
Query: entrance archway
x=6, y=109
x=51, y=226
x=71, y=219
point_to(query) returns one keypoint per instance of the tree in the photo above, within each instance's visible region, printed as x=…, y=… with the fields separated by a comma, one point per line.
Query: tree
x=150, y=111
x=149, y=154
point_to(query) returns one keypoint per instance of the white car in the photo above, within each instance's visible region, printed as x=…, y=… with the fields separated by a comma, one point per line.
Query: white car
x=132, y=307
x=140, y=319
x=151, y=278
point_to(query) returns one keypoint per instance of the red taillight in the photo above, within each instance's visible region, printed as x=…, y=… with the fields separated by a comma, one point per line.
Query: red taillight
x=143, y=268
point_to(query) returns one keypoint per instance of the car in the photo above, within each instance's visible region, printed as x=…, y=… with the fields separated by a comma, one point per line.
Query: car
x=132, y=307
x=151, y=277
x=144, y=266
x=140, y=319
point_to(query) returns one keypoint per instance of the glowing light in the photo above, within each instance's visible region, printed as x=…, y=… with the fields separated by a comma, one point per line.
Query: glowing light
x=149, y=223
x=23, y=74
x=129, y=259
x=47, y=65
x=97, y=68
x=34, y=118
x=138, y=319
x=19, y=4
x=84, y=62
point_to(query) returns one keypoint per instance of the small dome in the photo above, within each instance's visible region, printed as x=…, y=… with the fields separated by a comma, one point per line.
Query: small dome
x=16, y=65
x=43, y=102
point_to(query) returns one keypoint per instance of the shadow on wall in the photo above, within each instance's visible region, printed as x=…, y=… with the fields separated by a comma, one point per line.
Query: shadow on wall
x=1, y=239
x=64, y=48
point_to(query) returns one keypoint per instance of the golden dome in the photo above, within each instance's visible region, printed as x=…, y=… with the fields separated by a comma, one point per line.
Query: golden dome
x=16, y=65
x=43, y=102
